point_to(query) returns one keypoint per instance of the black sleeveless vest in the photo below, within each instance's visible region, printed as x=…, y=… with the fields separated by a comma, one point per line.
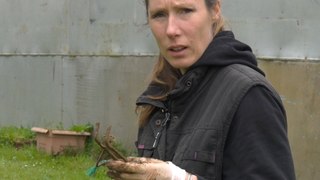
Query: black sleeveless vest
x=192, y=127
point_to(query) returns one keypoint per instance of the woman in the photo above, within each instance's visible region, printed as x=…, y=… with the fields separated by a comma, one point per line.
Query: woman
x=208, y=112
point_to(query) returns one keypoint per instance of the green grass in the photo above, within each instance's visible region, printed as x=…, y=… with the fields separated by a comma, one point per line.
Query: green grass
x=28, y=163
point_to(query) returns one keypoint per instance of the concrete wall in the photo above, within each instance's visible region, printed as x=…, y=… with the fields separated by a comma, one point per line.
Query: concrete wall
x=298, y=83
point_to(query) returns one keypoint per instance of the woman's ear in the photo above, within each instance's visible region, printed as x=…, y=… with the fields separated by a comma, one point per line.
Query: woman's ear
x=216, y=9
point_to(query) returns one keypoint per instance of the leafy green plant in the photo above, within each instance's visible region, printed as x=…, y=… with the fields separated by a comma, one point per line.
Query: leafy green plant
x=11, y=135
x=82, y=128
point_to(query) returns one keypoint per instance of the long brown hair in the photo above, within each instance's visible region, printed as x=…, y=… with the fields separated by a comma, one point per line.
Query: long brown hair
x=165, y=75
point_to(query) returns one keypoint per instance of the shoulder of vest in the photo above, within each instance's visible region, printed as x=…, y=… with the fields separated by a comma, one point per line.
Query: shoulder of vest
x=244, y=73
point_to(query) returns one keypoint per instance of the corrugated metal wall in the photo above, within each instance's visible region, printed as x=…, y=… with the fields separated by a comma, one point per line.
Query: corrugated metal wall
x=275, y=28
x=78, y=61
x=74, y=27
x=286, y=29
x=73, y=61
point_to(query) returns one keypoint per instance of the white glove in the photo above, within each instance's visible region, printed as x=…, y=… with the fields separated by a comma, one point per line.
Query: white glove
x=145, y=168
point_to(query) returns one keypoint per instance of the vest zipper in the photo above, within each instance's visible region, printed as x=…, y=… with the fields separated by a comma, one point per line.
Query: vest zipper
x=163, y=125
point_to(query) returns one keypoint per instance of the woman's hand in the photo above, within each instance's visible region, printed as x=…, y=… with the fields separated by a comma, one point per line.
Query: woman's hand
x=145, y=168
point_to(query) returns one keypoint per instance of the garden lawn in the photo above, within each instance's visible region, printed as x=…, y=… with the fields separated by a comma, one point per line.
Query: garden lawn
x=27, y=163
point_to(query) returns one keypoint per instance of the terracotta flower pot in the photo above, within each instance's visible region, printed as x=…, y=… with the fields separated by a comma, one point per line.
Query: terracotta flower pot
x=57, y=141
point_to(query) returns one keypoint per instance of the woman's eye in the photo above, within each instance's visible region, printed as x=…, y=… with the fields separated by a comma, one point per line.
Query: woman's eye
x=157, y=15
x=186, y=10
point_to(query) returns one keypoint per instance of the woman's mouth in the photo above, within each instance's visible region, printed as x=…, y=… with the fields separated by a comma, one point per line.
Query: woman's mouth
x=177, y=51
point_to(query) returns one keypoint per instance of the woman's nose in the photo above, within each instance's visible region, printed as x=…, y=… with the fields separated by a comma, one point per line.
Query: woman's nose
x=172, y=27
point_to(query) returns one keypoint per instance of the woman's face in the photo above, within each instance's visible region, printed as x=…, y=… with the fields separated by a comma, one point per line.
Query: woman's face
x=182, y=29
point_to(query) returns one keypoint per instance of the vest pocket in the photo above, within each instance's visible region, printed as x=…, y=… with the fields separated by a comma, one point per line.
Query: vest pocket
x=198, y=153
x=200, y=146
x=201, y=163
x=202, y=156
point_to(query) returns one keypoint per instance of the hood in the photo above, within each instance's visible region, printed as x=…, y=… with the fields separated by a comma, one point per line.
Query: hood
x=225, y=50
